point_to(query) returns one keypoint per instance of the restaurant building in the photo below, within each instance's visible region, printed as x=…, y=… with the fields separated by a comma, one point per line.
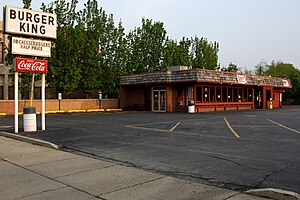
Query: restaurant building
x=208, y=90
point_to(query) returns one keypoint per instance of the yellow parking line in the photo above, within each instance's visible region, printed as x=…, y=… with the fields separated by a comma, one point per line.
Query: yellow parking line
x=175, y=126
x=147, y=129
x=232, y=130
x=6, y=126
x=283, y=126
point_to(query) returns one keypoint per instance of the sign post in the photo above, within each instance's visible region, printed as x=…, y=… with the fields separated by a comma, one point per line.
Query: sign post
x=25, y=22
x=43, y=101
x=16, y=102
x=35, y=66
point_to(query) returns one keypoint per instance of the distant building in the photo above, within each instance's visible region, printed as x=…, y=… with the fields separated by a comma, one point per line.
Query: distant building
x=172, y=90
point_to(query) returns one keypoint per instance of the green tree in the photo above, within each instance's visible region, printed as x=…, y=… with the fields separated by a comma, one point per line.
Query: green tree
x=231, y=68
x=146, y=46
x=63, y=72
x=286, y=70
x=113, y=57
x=103, y=56
x=204, y=53
x=176, y=54
x=26, y=4
x=261, y=68
x=91, y=23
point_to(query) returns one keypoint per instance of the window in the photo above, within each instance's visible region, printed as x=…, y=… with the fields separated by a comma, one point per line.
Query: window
x=250, y=95
x=218, y=94
x=199, y=93
x=212, y=94
x=180, y=92
x=205, y=92
x=245, y=95
x=235, y=95
x=241, y=94
x=230, y=94
x=224, y=94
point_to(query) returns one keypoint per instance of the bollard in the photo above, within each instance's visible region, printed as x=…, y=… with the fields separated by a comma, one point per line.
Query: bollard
x=29, y=119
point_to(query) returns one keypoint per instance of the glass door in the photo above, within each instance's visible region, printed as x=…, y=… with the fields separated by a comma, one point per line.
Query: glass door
x=159, y=101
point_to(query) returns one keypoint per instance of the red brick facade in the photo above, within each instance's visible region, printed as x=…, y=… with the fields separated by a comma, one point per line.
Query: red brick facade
x=173, y=90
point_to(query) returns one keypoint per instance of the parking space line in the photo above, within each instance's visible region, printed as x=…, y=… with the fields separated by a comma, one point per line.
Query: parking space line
x=232, y=130
x=145, y=128
x=283, y=126
x=174, y=127
x=6, y=126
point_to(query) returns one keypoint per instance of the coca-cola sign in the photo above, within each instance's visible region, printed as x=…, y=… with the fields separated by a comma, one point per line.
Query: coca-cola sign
x=29, y=65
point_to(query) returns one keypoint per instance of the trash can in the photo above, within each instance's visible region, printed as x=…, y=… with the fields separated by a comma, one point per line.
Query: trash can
x=191, y=106
x=29, y=119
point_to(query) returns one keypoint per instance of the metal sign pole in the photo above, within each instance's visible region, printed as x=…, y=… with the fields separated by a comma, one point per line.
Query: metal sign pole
x=43, y=101
x=16, y=102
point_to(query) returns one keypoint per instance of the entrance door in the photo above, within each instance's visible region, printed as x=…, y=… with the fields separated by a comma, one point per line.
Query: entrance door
x=159, y=101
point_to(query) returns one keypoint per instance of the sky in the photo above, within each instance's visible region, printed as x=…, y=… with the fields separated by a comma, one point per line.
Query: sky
x=248, y=31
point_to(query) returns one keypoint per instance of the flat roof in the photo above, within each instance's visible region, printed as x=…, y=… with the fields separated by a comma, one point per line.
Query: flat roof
x=204, y=75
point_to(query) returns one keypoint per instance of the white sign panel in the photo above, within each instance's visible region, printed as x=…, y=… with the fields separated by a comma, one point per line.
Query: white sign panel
x=285, y=83
x=30, y=47
x=241, y=79
x=28, y=22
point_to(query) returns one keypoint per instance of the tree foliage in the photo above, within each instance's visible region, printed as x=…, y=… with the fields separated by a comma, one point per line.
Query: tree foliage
x=146, y=45
x=26, y=4
x=176, y=54
x=204, y=53
x=231, y=68
x=63, y=71
x=91, y=52
x=286, y=70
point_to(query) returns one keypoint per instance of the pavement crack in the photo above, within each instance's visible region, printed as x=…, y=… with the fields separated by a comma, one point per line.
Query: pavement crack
x=231, y=196
x=131, y=186
x=30, y=195
x=53, y=179
x=271, y=174
x=84, y=171
x=231, y=161
x=93, y=155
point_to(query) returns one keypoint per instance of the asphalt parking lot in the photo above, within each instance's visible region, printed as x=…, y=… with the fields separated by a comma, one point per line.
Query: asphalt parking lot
x=237, y=150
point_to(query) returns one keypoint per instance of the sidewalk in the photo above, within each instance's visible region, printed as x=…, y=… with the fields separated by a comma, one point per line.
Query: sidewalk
x=32, y=172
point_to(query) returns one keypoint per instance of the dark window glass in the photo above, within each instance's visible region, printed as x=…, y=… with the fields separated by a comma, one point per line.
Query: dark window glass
x=205, y=92
x=224, y=94
x=250, y=96
x=235, y=95
x=199, y=93
x=230, y=95
x=212, y=94
x=218, y=94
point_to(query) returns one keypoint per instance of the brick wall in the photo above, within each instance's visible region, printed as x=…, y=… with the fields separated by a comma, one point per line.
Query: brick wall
x=132, y=97
x=7, y=106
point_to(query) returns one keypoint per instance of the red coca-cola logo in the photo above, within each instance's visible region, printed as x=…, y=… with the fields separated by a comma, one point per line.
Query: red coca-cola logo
x=29, y=65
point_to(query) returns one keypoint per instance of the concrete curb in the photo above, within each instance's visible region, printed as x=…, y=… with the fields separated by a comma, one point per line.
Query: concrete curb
x=274, y=194
x=30, y=140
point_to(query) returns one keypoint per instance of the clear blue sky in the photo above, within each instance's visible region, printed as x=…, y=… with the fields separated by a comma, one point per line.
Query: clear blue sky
x=248, y=31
